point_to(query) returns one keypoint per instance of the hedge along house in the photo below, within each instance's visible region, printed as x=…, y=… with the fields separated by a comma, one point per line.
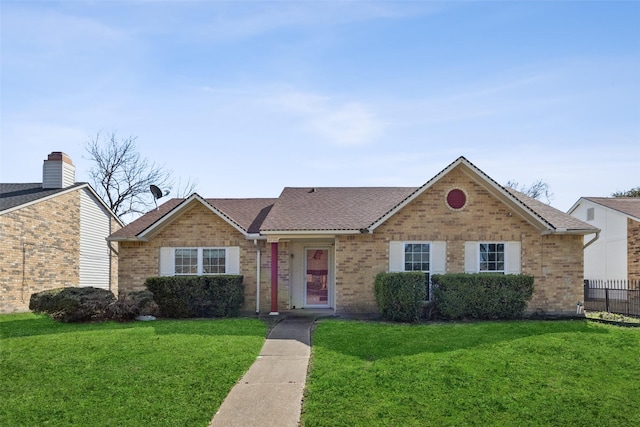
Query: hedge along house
x=53, y=235
x=322, y=247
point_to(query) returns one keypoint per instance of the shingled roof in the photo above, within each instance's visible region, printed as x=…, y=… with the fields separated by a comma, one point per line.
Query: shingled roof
x=324, y=210
x=248, y=214
x=626, y=205
x=557, y=219
x=332, y=208
x=13, y=196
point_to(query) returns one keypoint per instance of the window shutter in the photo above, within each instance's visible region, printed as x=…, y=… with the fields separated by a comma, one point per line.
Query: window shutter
x=513, y=258
x=167, y=261
x=471, y=257
x=396, y=256
x=438, y=257
x=233, y=260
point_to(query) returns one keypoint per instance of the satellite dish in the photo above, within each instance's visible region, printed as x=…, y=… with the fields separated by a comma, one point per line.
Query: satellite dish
x=157, y=193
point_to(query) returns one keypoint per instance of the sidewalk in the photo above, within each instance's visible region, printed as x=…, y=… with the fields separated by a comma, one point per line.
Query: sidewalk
x=270, y=393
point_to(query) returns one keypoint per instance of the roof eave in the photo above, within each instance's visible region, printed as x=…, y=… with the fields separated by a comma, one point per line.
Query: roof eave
x=308, y=232
x=582, y=232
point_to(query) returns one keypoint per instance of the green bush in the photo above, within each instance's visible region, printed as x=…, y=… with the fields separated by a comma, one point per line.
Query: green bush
x=400, y=296
x=197, y=296
x=482, y=296
x=73, y=304
x=128, y=306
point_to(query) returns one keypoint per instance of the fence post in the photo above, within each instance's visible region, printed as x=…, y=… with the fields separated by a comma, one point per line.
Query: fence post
x=606, y=299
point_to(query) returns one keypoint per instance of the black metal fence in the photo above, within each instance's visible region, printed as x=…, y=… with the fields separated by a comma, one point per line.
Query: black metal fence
x=613, y=296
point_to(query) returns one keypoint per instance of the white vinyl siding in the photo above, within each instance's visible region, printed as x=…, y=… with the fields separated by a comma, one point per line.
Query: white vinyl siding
x=95, y=226
x=168, y=260
x=512, y=257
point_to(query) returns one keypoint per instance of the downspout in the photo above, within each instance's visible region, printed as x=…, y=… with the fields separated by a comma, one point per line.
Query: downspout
x=592, y=240
x=255, y=242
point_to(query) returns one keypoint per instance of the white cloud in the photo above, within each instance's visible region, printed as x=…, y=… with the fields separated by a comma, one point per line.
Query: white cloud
x=348, y=123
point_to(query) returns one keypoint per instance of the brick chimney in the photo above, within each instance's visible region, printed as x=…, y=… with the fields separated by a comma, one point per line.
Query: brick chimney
x=58, y=171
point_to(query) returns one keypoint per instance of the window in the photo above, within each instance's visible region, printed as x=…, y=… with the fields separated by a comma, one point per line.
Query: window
x=213, y=261
x=428, y=257
x=186, y=261
x=591, y=214
x=417, y=258
x=496, y=257
x=492, y=257
x=194, y=261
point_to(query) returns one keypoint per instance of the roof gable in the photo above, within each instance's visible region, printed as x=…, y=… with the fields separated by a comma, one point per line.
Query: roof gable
x=245, y=215
x=15, y=196
x=629, y=206
x=543, y=217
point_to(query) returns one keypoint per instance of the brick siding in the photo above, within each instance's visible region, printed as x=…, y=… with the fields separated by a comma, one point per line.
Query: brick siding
x=633, y=249
x=554, y=260
x=40, y=250
x=195, y=227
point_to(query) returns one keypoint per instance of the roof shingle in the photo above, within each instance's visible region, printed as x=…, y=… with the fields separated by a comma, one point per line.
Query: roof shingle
x=627, y=205
x=14, y=195
x=332, y=208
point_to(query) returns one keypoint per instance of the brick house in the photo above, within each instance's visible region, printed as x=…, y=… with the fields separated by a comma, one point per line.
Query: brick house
x=615, y=254
x=322, y=247
x=53, y=235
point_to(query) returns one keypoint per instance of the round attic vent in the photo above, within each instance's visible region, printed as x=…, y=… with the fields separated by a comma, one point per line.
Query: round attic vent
x=456, y=199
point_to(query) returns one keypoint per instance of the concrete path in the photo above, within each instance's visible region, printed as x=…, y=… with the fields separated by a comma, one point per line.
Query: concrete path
x=270, y=393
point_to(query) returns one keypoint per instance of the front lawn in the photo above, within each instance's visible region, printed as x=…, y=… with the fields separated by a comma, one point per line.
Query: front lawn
x=160, y=373
x=521, y=373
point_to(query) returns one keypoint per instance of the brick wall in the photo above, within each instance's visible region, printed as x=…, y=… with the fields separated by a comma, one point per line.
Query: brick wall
x=633, y=249
x=113, y=258
x=554, y=260
x=40, y=250
x=196, y=227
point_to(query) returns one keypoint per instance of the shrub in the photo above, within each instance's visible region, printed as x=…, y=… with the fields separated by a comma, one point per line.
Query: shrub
x=400, y=296
x=73, y=304
x=130, y=305
x=197, y=296
x=482, y=296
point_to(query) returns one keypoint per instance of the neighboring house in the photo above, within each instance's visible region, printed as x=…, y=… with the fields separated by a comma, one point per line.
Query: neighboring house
x=615, y=255
x=54, y=234
x=323, y=247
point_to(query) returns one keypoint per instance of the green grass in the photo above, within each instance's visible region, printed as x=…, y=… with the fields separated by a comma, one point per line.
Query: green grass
x=160, y=373
x=521, y=373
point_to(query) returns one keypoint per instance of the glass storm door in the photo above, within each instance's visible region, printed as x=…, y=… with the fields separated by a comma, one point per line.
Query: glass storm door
x=317, y=277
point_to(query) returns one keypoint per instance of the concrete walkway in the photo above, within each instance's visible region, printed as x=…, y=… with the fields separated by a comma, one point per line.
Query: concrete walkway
x=270, y=393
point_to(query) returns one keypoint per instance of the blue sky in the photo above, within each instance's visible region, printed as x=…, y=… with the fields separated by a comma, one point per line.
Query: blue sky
x=250, y=97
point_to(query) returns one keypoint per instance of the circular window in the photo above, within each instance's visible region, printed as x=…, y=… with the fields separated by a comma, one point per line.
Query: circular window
x=456, y=199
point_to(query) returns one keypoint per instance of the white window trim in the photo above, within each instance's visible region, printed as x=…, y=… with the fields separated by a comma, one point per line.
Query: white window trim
x=504, y=261
x=167, y=260
x=512, y=257
x=437, y=257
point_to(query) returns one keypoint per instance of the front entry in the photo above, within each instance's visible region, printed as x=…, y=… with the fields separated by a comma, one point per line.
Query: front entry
x=316, y=292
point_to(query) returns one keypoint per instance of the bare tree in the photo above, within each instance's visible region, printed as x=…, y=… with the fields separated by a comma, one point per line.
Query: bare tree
x=536, y=190
x=122, y=177
x=634, y=192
